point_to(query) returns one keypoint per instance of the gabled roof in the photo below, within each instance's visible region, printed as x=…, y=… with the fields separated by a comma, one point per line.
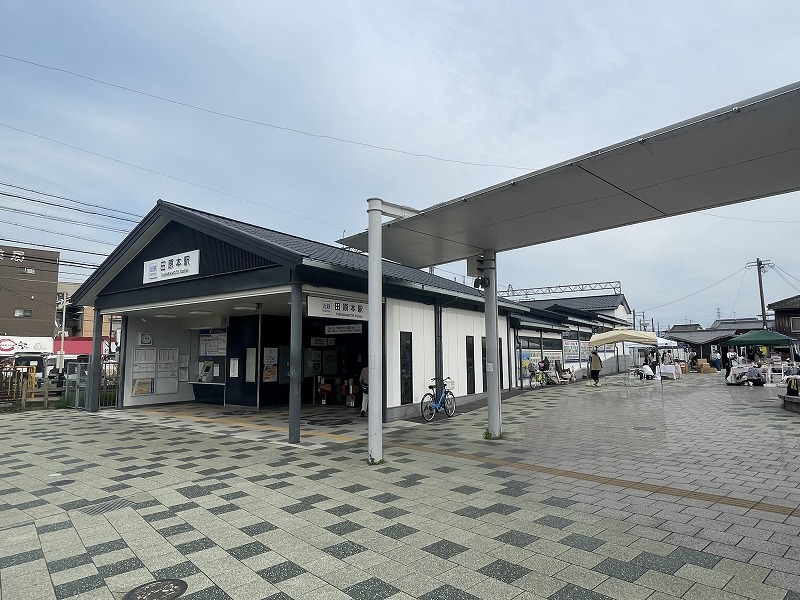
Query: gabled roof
x=282, y=248
x=586, y=303
x=786, y=303
x=738, y=324
x=701, y=337
x=686, y=327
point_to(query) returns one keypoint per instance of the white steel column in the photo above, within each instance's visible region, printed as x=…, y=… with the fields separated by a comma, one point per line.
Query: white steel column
x=375, y=315
x=495, y=425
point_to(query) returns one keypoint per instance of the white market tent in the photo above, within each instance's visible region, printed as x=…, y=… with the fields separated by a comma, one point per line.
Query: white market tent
x=644, y=338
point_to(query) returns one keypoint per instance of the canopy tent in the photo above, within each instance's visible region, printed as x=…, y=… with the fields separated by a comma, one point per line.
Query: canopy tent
x=647, y=338
x=762, y=337
x=660, y=342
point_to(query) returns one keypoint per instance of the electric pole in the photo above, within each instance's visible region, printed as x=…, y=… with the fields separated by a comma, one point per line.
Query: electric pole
x=761, y=267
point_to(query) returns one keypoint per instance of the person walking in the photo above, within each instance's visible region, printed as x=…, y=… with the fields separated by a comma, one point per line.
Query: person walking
x=595, y=364
x=363, y=381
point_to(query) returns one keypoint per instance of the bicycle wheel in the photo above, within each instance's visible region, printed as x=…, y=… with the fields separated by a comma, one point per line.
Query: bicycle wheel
x=449, y=404
x=426, y=406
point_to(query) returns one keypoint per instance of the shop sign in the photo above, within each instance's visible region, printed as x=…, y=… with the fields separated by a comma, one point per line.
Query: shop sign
x=334, y=329
x=334, y=308
x=183, y=264
x=11, y=345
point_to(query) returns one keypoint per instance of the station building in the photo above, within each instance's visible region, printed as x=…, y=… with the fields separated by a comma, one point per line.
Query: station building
x=206, y=310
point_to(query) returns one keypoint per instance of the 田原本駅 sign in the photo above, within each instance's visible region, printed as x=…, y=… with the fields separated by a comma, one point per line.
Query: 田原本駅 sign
x=183, y=264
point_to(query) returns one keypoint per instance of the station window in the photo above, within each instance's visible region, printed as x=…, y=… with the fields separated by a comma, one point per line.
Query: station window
x=23, y=312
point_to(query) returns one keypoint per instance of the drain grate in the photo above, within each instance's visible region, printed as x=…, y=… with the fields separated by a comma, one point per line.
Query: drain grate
x=107, y=506
x=163, y=589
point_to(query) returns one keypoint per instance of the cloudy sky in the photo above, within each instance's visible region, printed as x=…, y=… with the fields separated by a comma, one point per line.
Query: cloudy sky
x=290, y=115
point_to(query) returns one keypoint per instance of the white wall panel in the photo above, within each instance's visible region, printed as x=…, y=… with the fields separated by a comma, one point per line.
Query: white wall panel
x=166, y=334
x=402, y=315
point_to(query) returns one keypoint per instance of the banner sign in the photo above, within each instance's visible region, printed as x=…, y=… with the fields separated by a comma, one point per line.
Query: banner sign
x=172, y=267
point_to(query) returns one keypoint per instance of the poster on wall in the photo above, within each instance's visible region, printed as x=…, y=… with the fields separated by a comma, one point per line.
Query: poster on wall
x=270, y=372
x=213, y=342
x=143, y=387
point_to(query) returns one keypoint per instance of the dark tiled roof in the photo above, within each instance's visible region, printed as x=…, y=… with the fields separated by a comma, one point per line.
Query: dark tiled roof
x=686, y=327
x=701, y=337
x=587, y=303
x=333, y=255
x=786, y=303
x=737, y=324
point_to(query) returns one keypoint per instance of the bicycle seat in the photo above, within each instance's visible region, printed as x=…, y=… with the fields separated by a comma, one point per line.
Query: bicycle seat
x=431, y=387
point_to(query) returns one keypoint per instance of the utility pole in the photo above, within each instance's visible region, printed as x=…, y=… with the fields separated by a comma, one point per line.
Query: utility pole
x=60, y=358
x=761, y=267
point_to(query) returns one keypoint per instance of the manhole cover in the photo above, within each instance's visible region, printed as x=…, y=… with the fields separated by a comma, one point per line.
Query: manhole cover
x=164, y=589
x=329, y=421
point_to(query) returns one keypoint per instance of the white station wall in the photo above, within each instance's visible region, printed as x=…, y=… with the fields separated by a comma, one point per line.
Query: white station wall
x=402, y=315
x=167, y=333
x=456, y=326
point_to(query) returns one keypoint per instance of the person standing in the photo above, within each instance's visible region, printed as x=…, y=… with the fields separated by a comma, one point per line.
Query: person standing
x=363, y=381
x=595, y=365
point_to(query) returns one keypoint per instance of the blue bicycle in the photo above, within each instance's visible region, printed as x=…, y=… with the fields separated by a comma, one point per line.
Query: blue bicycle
x=446, y=402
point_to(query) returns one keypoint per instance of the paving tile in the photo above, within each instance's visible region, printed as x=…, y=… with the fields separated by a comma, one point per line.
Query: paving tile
x=504, y=571
x=584, y=542
x=517, y=538
x=574, y=592
x=621, y=570
x=554, y=521
x=397, y=531
x=445, y=549
x=248, y=550
x=371, y=589
x=281, y=572
x=344, y=550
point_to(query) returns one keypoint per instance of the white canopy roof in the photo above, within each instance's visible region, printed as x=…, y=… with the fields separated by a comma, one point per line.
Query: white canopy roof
x=748, y=150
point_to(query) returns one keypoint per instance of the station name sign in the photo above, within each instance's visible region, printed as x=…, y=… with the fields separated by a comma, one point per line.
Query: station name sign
x=183, y=264
x=336, y=308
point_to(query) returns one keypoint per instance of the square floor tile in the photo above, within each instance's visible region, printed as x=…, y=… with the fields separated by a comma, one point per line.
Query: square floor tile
x=391, y=512
x=574, y=592
x=385, y=498
x=281, y=572
x=371, y=589
x=656, y=562
x=584, y=542
x=621, y=570
x=80, y=586
x=344, y=550
x=466, y=489
x=397, y=531
x=553, y=521
x=504, y=571
x=560, y=502
x=344, y=527
x=257, y=528
x=179, y=571
x=517, y=538
x=445, y=549
x=696, y=557
x=355, y=488
x=248, y=550
x=342, y=510
x=195, y=546
x=448, y=592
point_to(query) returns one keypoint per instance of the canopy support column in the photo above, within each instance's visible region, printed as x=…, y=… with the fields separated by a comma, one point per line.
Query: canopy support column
x=495, y=425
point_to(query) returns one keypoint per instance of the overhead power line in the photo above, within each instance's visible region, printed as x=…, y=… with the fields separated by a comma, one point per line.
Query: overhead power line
x=49, y=195
x=263, y=123
x=186, y=181
x=53, y=247
x=695, y=293
x=63, y=220
x=62, y=207
x=72, y=236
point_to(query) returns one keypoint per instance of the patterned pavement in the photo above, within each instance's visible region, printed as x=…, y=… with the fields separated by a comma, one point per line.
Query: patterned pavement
x=686, y=490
